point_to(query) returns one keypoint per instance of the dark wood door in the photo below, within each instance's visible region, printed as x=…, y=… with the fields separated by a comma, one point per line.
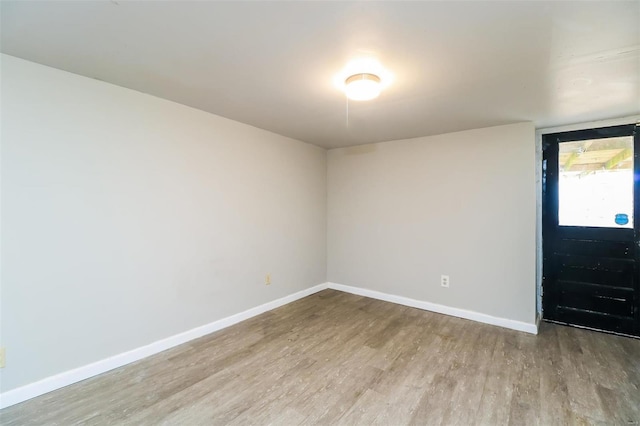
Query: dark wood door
x=591, y=228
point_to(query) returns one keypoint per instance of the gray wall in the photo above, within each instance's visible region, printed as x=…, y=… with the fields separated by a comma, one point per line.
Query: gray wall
x=127, y=219
x=402, y=213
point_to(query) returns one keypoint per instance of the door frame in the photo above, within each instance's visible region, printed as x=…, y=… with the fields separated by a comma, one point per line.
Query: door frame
x=593, y=130
x=629, y=119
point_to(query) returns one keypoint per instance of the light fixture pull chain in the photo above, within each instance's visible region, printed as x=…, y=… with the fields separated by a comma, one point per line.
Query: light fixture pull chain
x=347, y=111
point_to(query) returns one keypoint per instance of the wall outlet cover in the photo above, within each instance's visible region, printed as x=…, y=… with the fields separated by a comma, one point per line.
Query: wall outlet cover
x=444, y=280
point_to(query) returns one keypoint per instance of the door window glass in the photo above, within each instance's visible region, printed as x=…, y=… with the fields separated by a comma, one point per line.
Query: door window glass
x=595, y=182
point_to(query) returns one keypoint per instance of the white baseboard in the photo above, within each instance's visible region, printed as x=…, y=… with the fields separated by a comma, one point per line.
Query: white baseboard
x=441, y=309
x=66, y=378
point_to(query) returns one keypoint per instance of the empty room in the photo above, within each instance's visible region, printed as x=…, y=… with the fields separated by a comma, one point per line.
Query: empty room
x=299, y=212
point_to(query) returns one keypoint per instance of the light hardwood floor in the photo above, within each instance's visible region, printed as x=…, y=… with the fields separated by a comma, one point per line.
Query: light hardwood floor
x=337, y=358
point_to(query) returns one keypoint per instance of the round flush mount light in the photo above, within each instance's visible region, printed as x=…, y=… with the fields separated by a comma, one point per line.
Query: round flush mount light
x=362, y=87
x=363, y=78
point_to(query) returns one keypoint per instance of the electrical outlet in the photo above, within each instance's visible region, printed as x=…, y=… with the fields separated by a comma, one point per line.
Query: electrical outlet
x=267, y=279
x=444, y=280
x=2, y=358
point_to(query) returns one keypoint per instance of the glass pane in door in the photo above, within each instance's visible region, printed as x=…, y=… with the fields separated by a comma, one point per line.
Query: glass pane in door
x=595, y=182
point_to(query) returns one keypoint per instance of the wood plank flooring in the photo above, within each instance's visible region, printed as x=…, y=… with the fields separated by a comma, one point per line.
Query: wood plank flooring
x=337, y=358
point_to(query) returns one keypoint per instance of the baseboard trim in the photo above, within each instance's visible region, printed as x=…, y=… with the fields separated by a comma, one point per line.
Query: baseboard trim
x=441, y=309
x=66, y=378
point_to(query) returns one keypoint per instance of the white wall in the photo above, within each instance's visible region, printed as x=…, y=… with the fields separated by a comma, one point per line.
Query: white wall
x=127, y=218
x=402, y=213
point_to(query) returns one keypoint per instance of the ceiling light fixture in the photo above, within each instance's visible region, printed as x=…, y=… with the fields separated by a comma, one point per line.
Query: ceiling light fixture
x=362, y=87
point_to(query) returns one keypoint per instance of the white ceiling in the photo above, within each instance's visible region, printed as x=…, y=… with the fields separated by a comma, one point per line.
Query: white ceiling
x=456, y=65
